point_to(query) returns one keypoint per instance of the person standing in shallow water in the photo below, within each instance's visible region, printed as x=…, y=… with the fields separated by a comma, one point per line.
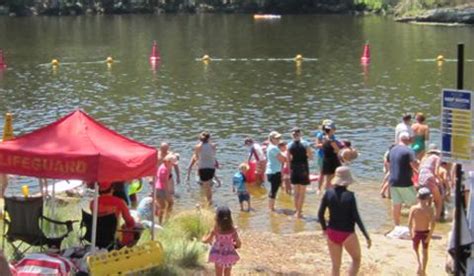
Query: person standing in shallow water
x=330, y=157
x=298, y=154
x=421, y=134
x=205, y=154
x=402, y=162
x=404, y=126
x=275, y=159
x=256, y=153
x=343, y=215
x=162, y=153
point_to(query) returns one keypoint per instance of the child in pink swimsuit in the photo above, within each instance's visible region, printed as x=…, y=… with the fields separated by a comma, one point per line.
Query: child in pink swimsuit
x=225, y=242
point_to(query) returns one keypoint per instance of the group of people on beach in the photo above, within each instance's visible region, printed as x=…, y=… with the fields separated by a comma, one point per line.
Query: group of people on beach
x=415, y=176
x=286, y=165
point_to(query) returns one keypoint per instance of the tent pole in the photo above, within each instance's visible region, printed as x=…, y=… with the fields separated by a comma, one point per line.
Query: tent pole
x=4, y=184
x=53, y=198
x=153, y=207
x=4, y=180
x=94, y=216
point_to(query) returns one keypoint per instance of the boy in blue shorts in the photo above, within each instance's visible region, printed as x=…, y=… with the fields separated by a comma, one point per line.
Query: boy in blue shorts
x=238, y=186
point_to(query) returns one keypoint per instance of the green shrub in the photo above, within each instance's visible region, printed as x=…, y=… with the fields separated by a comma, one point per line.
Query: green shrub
x=191, y=224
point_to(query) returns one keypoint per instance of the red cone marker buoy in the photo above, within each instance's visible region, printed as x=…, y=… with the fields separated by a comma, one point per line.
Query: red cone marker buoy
x=155, y=55
x=2, y=60
x=365, y=58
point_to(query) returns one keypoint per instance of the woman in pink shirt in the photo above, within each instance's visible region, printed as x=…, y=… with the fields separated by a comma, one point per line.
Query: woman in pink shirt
x=163, y=196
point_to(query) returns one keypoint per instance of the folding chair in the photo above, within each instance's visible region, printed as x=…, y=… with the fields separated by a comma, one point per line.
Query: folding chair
x=25, y=220
x=106, y=228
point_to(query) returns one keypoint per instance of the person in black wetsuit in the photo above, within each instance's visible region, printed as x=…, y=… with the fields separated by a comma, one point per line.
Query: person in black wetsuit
x=343, y=215
x=299, y=152
x=330, y=158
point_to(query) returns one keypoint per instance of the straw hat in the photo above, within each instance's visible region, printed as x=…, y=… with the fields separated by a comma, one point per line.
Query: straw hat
x=343, y=176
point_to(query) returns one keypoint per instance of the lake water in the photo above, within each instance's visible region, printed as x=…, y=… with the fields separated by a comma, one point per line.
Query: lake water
x=252, y=87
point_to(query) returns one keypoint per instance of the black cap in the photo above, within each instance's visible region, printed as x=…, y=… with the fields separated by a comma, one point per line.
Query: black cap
x=295, y=129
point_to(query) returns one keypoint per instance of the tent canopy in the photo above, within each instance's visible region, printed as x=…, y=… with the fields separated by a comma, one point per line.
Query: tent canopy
x=77, y=147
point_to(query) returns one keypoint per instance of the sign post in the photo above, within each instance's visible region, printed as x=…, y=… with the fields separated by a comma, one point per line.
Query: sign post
x=456, y=142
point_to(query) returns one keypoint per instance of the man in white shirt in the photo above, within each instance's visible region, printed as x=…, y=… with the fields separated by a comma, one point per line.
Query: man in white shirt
x=404, y=126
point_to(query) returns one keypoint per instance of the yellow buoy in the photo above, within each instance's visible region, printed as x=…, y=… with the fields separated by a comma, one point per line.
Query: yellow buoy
x=298, y=57
x=109, y=60
x=440, y=58
x=206, y=58
x=55, y=62
x=8, y=127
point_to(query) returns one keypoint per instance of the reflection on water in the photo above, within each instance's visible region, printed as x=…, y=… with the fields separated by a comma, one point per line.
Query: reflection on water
x=176, y=99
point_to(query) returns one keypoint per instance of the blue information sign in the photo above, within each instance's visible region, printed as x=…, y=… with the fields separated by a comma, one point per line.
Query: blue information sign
x=456, y=125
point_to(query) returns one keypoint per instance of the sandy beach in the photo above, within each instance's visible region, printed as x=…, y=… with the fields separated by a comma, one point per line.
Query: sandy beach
x=306, y=253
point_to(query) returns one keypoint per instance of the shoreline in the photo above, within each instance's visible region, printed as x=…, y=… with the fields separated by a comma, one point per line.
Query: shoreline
x=448, y=16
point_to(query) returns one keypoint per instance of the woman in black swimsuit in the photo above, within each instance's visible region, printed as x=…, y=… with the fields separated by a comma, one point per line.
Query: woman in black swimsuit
x=343, y=215
x=330, y=157
x=298, y=154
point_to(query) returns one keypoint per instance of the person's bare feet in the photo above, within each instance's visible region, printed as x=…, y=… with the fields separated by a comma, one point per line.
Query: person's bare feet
x=298, y=215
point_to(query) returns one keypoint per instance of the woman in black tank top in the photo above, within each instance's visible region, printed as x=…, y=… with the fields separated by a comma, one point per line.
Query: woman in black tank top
x=298, y=155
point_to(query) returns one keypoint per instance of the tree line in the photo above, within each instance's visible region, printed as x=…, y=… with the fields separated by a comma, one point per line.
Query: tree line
x=75, y=7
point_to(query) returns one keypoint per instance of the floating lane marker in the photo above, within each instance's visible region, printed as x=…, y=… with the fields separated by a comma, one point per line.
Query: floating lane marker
x=78, y=63
x=435, y=60
x=443, y=60
x=257, y=59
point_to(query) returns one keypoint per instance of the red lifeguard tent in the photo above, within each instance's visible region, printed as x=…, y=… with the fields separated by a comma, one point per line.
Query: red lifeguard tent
x=77, y=147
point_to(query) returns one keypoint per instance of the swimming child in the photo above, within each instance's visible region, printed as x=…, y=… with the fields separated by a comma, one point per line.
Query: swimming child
x=225, y=240
x=421, y=223
x=240, y=187
x=285, y=169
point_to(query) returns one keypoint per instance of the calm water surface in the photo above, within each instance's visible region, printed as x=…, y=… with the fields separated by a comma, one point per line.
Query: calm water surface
x=233, y=97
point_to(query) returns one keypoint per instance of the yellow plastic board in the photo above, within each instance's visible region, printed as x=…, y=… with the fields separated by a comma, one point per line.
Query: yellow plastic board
x=126, y=260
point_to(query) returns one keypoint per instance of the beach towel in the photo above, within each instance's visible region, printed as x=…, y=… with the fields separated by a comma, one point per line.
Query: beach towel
x=44, y=264
x=399, y=232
